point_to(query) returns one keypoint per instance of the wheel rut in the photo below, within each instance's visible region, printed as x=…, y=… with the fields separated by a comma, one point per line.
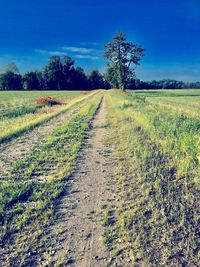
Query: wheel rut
x=17, y=148
x=76, y=236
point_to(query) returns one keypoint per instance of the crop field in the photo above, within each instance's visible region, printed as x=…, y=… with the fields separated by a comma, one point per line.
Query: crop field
x=102, y=178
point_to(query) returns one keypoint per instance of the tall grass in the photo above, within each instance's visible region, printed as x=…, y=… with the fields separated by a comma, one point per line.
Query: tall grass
x=19, y=111
x=15, y=126
x=157, y=151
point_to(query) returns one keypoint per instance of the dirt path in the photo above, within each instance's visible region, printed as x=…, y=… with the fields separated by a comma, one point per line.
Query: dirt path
x=77, y=236
x=17, y=148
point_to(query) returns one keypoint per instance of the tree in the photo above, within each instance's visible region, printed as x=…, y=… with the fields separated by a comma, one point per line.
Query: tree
x=112, y=75
x=31, y=81
x=11, y=67
x=79, y=79
x=68, y=68
x=41, y=81
x=53, y=74
x=10, y=81
x=123, y=55
x=96, y=80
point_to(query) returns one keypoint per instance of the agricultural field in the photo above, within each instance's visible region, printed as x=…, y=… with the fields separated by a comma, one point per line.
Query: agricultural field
x=101, y=178
x=20, y=112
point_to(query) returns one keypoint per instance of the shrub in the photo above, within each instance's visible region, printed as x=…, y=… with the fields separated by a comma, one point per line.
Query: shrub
x=48, y=101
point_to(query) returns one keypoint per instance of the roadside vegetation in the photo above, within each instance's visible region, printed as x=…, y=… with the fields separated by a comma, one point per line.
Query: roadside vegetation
x=33, y=187
x=156, y=149
x=18, y=119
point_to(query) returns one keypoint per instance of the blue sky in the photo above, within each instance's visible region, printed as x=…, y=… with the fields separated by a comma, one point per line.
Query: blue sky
x=32, y=31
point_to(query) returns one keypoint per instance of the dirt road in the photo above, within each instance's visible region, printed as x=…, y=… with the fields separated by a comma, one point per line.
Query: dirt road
x=77, y=236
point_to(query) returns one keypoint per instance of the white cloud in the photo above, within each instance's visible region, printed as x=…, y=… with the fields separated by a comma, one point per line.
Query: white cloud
x=87, y=57
x=52, y=53
x=57, y=53
x=78, y=52
x=82, y=50
x=83, y=53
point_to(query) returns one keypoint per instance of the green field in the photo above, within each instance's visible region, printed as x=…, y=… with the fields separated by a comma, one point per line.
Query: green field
x=19, y=113
x=155, y=142
x=157, y=148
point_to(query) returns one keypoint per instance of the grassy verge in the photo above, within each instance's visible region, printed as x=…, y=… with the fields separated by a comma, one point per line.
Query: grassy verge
x=157, y=178
x=14, y=127
x=29, y=197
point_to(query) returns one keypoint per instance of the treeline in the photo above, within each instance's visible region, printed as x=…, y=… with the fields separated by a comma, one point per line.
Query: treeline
x=62, y=74
x=58, y=74
x=162, y=84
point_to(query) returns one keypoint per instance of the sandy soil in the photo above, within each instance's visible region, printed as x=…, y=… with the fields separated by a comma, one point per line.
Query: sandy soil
x=77, y=235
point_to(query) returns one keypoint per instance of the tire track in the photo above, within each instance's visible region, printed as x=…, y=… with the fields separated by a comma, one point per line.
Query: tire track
x=17, y=148
x=76, y=237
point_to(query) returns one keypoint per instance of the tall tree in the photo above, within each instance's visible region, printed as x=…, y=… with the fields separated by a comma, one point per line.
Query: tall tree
x=53, y=74
x=124, y=56
x=68, y=68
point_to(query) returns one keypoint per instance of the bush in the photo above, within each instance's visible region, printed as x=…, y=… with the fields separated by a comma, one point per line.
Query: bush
x=48, y=101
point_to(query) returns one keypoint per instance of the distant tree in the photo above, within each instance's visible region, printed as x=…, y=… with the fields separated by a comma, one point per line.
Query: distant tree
x=11, y=67
x=123, y=55
x=96, y=80
x=31, y=81
x=68, y=69
x=107, y=85
x=41, y=81
x=79, y=79
x=162, y=84
x=196, y=85
x=10, y=81
x=53, y=74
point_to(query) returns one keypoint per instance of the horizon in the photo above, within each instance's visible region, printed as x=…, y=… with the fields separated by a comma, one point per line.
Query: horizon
x=32, y=32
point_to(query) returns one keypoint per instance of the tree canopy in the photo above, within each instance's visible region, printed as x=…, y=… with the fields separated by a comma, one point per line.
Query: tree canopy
x=123, y=56
x=61, y=73
x=58, y=74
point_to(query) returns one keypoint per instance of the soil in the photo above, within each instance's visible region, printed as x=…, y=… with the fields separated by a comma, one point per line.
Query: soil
x=76, y=237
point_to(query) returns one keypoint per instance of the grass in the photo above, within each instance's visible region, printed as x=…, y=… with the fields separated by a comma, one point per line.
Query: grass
x=157, y=153
x=19, y=111
x=155, y=138
x=13, y=99
x=23, y=118
x=14, y=103
x=29, y=195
